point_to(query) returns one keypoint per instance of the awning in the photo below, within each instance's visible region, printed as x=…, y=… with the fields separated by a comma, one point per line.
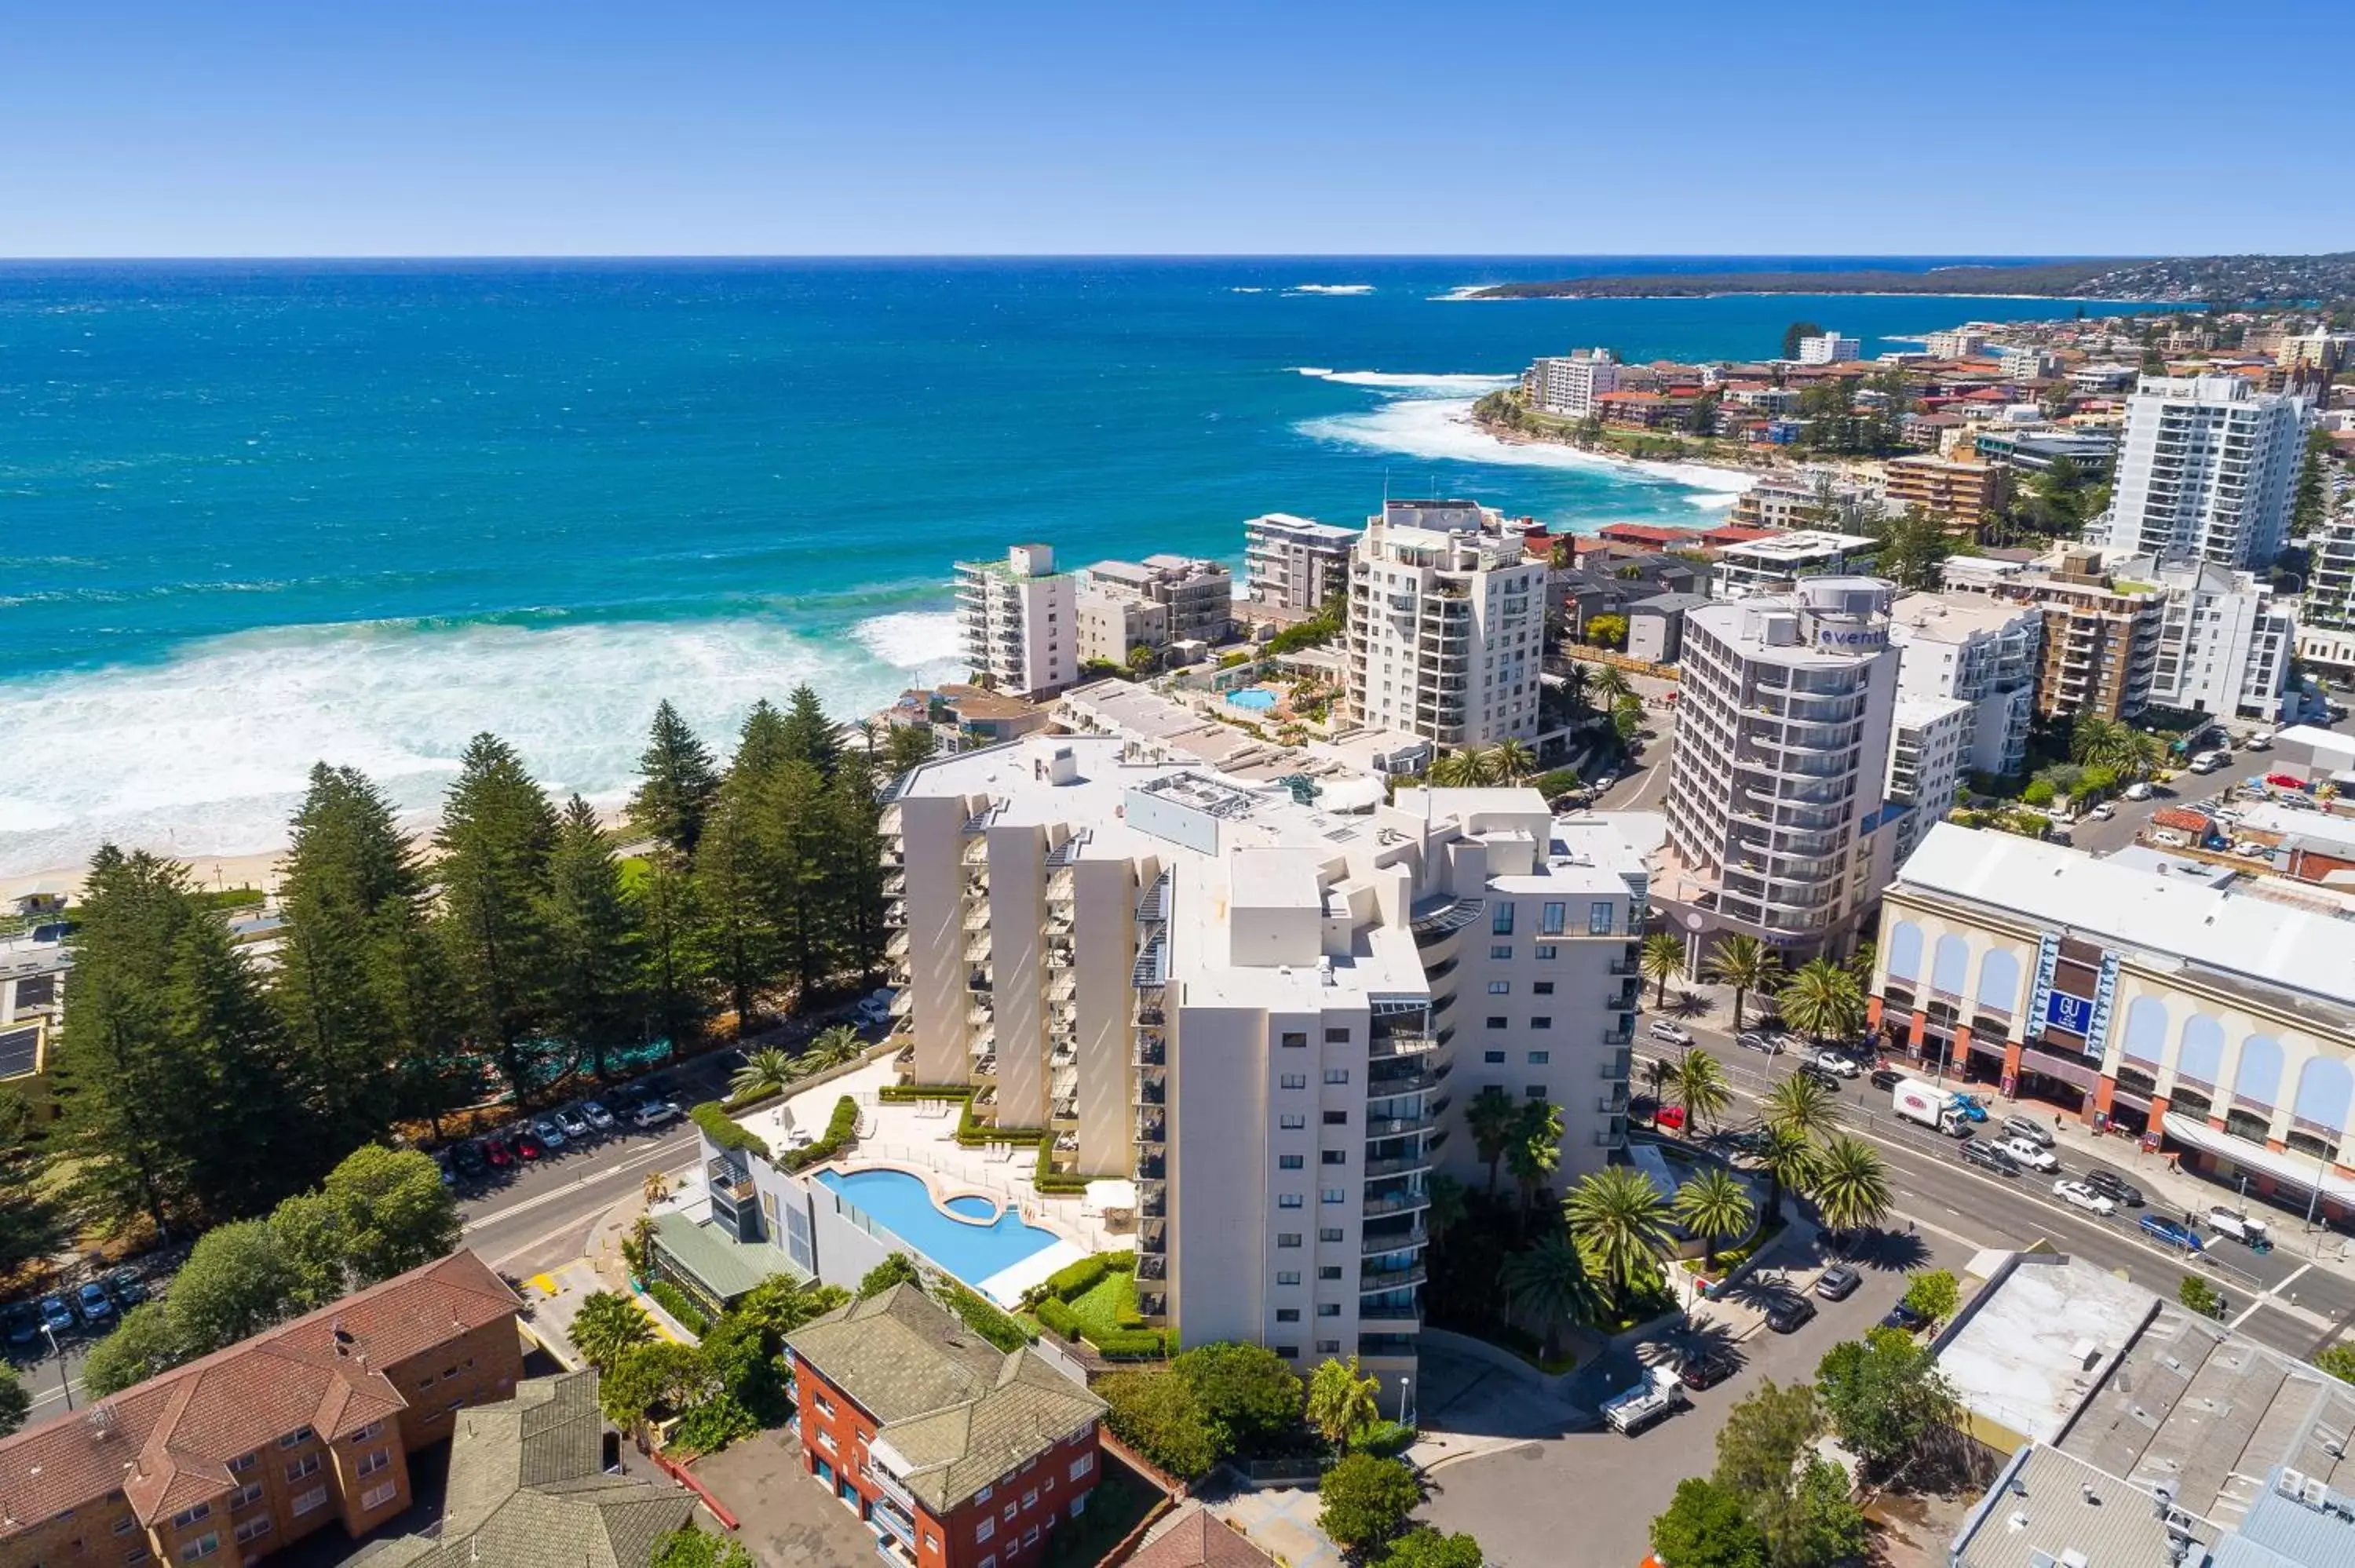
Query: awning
x=2298, y=1170
x=1108, y=1195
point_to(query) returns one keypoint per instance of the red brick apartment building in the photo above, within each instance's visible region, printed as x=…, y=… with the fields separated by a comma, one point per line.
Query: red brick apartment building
x=243, y=1452
x=956, y=1454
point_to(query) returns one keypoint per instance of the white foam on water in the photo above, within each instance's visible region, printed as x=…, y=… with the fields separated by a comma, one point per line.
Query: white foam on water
x=1330, y=289
x=1443, y=428
x=1463, y=293
x=1245, y=289
x=206, y=753
x=1718, y=500
x=1447, y=385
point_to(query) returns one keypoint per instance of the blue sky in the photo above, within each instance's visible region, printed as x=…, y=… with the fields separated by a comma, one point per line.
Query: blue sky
x=256, y=127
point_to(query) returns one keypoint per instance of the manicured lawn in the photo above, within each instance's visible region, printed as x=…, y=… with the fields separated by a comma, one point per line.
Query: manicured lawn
x=1111, y=1294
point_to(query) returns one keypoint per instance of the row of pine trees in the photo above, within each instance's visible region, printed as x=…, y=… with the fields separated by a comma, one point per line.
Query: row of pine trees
x=518, y=949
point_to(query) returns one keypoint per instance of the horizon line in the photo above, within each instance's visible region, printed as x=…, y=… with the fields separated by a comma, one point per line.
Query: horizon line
x=1948, y=256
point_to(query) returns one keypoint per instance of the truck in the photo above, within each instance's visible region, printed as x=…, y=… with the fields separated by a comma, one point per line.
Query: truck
x=2249, y=1233
x=1658, y=1393
x=1931, y=1106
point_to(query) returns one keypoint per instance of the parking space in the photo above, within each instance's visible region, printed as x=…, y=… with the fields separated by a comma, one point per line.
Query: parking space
x=789, y=1520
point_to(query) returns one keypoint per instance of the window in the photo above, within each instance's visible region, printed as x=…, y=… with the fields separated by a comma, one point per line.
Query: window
x=1333, y=1195
x=1547, y=950
x=1287, y=1314
x=246, y=1496
x=1012, y=1508
x=1335, y=1157
x=1492, y=1057
x=990, y=1560
x=1551, y=918
x=310, y=1501
x=1541, y=1020
x=255, y=1529
x=1329, y=1271
x=1599, y=917
x=1328, y=1309
x=1502, y=925
x=982, y=1496
x=1030, y=1536
x=1500, y=949
x=983, y=1531
x=243, y=1463
x=308, y=1464
x=825, y=1438
x=1290, y=1201
x=1329, y=1347
x=1030, y=1498
x=1336, y=1119
x=1291, y=1162
x=372, y=1429
x=202, y=1547
x=1542, y=988
x=1079, y=1505
x=1330, y=1233
x=1296, y=1038
x=1495, y=1020
x=1292, y=1121
x=125, y=1526
x=931, y=1542
x=1540, y=1058
x=1293, y=1081
x=1289, y=1352
x=1287, y=1277
x=136, y=1555
x=1337, y=1075
x=188, y=1516
x=1500, y=988
x=1337, y=1036
x=374, y=1460
x=1535, y=1091
x=1084, y=1466
x=1287, y=1238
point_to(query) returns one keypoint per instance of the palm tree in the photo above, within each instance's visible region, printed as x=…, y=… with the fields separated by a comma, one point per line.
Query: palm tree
x=1143, y=661
x=1492, y=1117
x=1662, y=958
x=1714, y=1206
x=1620, y=1225
x=1444, y=1195
x=1800, y=1106
x=1456, y=771
x=868, y=728
x=834, y=1046
x=2094, y=739
x=1656, y=1075
x=1342, y=1402
x=1788, y=1160
x=1515, y=761
x=1851, y=1184
x=1702, y=1087
x=1535, y=1152
x=765, y=1072
x=1822, y=999
x=607, y=1327
x=1550, y=1282
x=1610, y=683
x=1487, y=767
x=1746, y=964
x=1574, y=680
x=2142, y=757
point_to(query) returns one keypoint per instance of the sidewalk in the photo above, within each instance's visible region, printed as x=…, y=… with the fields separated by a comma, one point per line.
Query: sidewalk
x=1790, y=1265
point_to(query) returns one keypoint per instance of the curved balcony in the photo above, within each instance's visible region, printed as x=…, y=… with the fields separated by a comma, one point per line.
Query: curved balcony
x=1373, y=1281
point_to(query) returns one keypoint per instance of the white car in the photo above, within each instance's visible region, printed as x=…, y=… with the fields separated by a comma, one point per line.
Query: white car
x=1832, y=1061
x=2138, y=791
x=2077, y=1195
x=2102, y=812
x=599, y=1118
x=2031, y=1153
x=1662, y=1029
x=1749, y=1039
x=653, y=1113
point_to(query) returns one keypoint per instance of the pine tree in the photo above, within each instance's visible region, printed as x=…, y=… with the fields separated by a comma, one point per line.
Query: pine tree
x=254, y=1139
x=497, y=834
x=809, y=734
x=28, y=1220
x=680, y=782
x=739, y=935
x=796, y=864
x=592, y=939
x=763, y=745
x=672, y=952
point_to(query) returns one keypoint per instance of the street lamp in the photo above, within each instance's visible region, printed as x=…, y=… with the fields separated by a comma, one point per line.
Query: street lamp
x=65, y=1373
x=1406, y=1399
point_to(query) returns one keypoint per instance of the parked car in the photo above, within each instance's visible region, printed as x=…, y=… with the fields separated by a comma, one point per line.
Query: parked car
x=1669, y=1118
x=127, y=1289
x=572, y=1124
x=1789, y=1313
x=469, y=1157
x=2115, y=1187
x=2029, y=1127
x=1886, y=1078
x=594, y=1113
x=2102, y=812
x=1702, y=1366
x=2031, y=1153
x=875, y=1007
x=1838, y=1283
x=1662, y=1029
x=2261, y=741
x=2170, y=1232
x=1990, y=1157
x=2078, y=1195
x=653, y=1113
x=56, y=1316
x=2140, y=790
x=95, y=1306
x=1837, y=1063
x=550, y=1135
x=22, y=1324
x=1970, y=1107
x=528, y=1145
x=499, y=1152
x=1904, y=1319
x=1751, y=1040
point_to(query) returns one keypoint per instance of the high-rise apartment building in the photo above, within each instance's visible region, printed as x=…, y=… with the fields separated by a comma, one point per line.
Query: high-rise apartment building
x=2206, y=469
x=1929, y=751
x=1446, y=624
x=1954, y=491
x=1829, y=349
x=1020, y=622
x=1979, y=650
x=1296, y=563
x=2101, y=634
x=2224, y=643
x=1200, y=595
x=1261, y=1013
x=1569, y=384
x=1112, y=624
x=1776, y=802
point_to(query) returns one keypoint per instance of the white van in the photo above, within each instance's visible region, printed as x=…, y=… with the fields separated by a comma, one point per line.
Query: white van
x=2208, y=762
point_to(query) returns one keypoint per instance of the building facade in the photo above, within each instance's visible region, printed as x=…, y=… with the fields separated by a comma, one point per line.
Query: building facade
x=2222, y=1023
x=1446, y=625
x=1830, y=348
x=1977, y=650
x=1296, y=563
x=1110, y=625
x=1020, y=622
x=1959, y=493
x=1783, y=501
x=2224, y=644
x=1775, y=806
x=2206, y=469
x=1772, y=564
x=1199, y=594
x=2101, y=636
x=1929, y=752
x=1569, y=384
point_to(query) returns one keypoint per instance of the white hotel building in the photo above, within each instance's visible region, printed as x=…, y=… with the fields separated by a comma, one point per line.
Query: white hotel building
x=1446, y=625
x=2206, y=469
x=1569, y=384
x=1019, y=622
x=1268, y=1017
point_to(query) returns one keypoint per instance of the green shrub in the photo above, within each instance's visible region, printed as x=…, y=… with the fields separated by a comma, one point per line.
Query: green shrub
x=1046, y=1178
x=710, y=1118
x=2040, y=792
x=675, y=1302
x=1078, y=1279
x=982, y=1316
x=746, y=1101
x=1119, y=1262
x=900, y=1094
x=1058, y=1318
x=840, y=1128
x=975, y=1133
x=1129, y=1344
x=1384, y=1440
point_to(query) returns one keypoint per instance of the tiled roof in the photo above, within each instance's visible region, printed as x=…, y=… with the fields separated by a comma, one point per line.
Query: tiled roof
x=961, y=1411
x=1197, y=1538
x=167, y=1442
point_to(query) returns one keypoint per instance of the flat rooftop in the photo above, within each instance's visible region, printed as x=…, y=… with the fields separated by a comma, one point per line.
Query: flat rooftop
x=2030, y=1346
x=1952, y=617
x=1798, y=545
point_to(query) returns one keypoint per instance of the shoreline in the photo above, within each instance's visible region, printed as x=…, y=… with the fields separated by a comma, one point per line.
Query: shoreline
x=1677, y=471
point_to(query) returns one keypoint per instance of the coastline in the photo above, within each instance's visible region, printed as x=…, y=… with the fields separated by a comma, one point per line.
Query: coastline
x=1723, y=477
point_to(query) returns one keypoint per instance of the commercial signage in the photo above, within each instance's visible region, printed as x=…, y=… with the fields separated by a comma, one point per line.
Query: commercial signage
x=2073, y=1013
x=1851, y=637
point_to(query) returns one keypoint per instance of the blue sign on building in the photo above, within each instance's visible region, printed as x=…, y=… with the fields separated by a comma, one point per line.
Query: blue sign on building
x=2073, y=1013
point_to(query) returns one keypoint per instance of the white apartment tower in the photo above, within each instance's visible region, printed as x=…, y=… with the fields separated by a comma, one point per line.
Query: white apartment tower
x=1569, y=384
x=1021, y=626
x=2224, y=644
x=2206, y=469
x=1976, y=649
x=1296, y=563
x=1775, y=802
x=1929, y=750
x=1829, y=349
x=1263, y=1015
x=1200, y=595
x=1446, y=625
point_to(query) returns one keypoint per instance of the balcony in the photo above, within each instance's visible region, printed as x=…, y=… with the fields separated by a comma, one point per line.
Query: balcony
x=1391, y=1315
x=1379, y=1127
x=1396, y=1204
x=1395, y=1241
x=977, y=982
x=1398, y=1165
x=1149, y=1054
x=891, y=1486
x=1372, y=1281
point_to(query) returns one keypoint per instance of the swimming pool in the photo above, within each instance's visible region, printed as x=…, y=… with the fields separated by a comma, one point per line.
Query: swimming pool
x=901, y=1204
x=1258, y=699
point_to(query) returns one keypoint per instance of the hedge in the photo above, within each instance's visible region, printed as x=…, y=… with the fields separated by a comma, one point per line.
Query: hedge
x=898, y=1094
x=1130, y=1344
x=1078, y=1278
x=675, y=1302
x=712, y=1118
x=1057, y=1315
x=749, y=1099
x=973, y=1133
x=1384, y=1440
x=1046, y=1178
x=840, y=1130
x=983, y=1318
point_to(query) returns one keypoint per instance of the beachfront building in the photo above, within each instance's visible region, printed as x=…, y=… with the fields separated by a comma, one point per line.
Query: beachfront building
x=1570, y=384
x=2101, y=633
x=1830, y=348
x=1199, y=594
x=1259, y=1013
x=1956, y=342
x=1776, y=805
x=1446, y=625
x=1112, y=624
x=249, y=1450
x=1296, y=563
x=2028, y=364
x=2223, y=1019
x=1958, y=492
x=1020, y=622
x=2224, y=642
x=2206, y=468
x=1929, y=750
x=1821, y=498
x=1773, y=564
x=1976, y=649
x=956, y=1453
x=2036, y=448
x=34, y=966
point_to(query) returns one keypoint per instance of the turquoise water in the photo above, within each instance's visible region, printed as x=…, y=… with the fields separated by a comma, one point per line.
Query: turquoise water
x=254, y=515
x=901, y=1204
x=1258, y=699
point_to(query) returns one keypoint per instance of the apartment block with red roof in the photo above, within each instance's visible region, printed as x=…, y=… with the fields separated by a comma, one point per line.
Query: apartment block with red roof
x=248, y=1450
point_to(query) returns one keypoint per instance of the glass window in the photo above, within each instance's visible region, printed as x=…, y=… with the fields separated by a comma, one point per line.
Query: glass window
x=1502, y=925
x=1085, y=1465
x=1293, y=1081
x=1337, y=1075
x=1540, y=1058
x=1287, y=1277
x=1336, y=1157
x=316, y=1498
x=1287, y=1314
x=203, y=1546
x=1547, y=950
x=1542, y=1021
x=985, y=1530
x=1542, y=988
x=1328, y=1309
x=376, y=1497
x=1599, y=917
x=1495, y=1020
x=1287, y=1238
x=1535, y=1091
x=1329, y=1271
x=1551, y=918
x=1337, y=1036
x=1336, y=1119
x=1290, y=1200
x=1329, y=1234
x=1329, y=1347
x=1291, y=1162
x=1500, y=988
x=1295, y=1037
x=1292, y=1121
x=1502, y=950
x=1492, y=1057
x=1333, y=1195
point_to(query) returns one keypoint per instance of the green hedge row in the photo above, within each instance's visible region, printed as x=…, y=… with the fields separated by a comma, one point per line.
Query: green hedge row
x=840, y=1128
x=675, y=1302
x=712, y=1118
x=1130, y=1344
x=982, y=1316
x=744, y=1102
x=975, y=1133
x=1058, y=1318
x=900, y=1094
x=1046, y=1178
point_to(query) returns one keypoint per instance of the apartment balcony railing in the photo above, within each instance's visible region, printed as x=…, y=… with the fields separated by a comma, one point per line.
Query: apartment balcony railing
x=1371, y=1281
x=890, y=1485
x=1395, y=1241
x=1397, y=1126
x=1150, y=1090
x=1150, y=1128
x=1149, y=1054
x=977, y=950
x=1398, y=1165
x=1391, y=1312
x=978, y=918
x=895, y=913
x=1385, y=1047
x=1396, y=1204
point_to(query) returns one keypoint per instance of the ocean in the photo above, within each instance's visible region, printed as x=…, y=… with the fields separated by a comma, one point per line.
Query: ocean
x=257, y=514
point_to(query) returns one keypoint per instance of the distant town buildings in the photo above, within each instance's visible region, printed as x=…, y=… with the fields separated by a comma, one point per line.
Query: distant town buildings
x=2206, y=468
x=1446, y=625
x=1956, y=342
x=1828, y=349
x=1296, y=563
x=1569, y=386
x=1019, y=618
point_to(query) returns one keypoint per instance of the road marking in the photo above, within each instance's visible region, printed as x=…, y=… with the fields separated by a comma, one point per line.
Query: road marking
x=561, y=1232
x=2290, y=1280
x=663, y=1150
x=2246, y=1313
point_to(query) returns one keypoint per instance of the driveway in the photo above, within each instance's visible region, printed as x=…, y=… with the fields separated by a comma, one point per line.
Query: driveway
x=789, y=1520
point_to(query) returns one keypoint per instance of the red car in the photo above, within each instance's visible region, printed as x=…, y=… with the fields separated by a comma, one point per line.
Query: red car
x=1669, y=1116
x=499, y=1152
x=527, y=1146
x=2285, y=781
